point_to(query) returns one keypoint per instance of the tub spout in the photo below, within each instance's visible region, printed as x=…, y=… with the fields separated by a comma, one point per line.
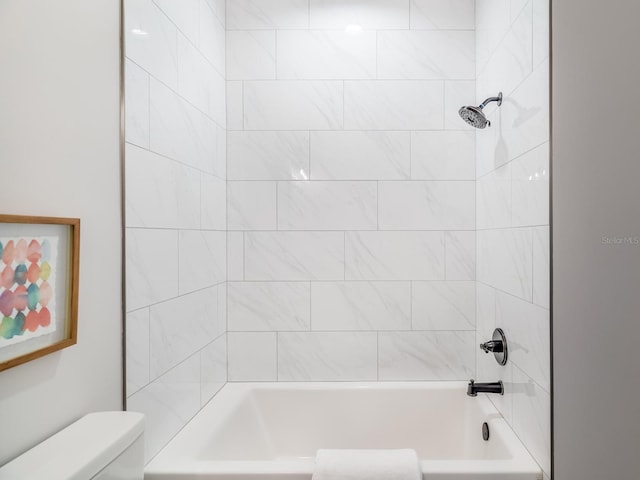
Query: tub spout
x=493, y=387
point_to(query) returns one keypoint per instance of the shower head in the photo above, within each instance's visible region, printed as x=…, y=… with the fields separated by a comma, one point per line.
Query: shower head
x=474, y=116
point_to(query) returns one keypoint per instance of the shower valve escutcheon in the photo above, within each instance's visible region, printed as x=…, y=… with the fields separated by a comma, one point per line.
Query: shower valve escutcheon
x=497, y=345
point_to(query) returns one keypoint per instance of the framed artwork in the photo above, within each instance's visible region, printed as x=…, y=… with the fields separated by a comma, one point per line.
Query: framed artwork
x=39, y=266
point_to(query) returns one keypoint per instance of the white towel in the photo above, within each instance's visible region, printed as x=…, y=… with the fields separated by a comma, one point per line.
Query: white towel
x=366, y=465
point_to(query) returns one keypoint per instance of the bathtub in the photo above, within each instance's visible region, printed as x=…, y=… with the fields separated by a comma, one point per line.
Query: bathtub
x=271, y=431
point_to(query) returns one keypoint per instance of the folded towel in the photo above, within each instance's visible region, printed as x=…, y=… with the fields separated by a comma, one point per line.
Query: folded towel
x=366, y=465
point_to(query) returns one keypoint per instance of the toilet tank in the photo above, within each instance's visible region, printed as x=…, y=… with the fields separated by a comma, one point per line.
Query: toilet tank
x=103, y=445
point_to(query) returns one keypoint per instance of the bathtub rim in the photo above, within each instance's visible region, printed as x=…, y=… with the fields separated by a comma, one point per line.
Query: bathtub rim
x=176, y=460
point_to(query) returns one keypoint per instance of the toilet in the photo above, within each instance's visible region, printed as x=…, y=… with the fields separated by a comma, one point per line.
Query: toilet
x=99, y=446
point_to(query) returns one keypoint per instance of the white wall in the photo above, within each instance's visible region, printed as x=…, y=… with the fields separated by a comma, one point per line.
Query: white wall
x=595, y=209
x=175, y=210
x=351, y=190
x=513, y=212
x=59, y=156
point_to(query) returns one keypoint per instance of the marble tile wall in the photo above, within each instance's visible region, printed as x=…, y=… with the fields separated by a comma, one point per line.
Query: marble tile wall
x=331, y=210
x=176, y=259
x=512, y=198
x=351, y=190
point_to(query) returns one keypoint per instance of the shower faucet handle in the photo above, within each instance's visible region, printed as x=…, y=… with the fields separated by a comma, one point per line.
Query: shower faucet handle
x=497, y=345
x=492, y=346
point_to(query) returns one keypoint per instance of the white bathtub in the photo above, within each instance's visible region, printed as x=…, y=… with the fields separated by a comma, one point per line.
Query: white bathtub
x=271, y=431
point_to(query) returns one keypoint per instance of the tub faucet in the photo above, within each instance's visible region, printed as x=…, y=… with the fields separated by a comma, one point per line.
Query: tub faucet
x=493, y=387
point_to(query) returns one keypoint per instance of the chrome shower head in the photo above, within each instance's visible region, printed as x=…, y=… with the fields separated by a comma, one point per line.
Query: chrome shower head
x=474, y=116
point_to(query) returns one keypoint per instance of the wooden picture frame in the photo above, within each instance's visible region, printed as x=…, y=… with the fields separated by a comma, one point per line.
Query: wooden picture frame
x=39, y=279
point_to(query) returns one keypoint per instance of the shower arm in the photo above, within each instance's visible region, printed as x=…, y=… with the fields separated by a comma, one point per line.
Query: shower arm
x=491, y=99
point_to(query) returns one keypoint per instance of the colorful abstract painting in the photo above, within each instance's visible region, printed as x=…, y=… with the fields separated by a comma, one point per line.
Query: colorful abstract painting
x=27, y=283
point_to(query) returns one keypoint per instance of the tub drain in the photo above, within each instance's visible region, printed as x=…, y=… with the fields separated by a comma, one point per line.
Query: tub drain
x=485, y=431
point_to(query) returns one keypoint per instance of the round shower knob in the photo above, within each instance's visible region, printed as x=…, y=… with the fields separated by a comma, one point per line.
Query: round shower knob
x=497, y=345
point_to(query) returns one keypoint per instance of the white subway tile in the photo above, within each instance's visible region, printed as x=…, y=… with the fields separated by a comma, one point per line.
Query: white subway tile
x=184, y=14
x=294, y=256
x=137, y=328
x=443, y=14
x=151, y=266
x=456, y=94
x=511, y=62
x=136, y=104
x=151, y=189
x=422, y=205
x=221, y=315
x=541, y=267
x=361, y=306
x=360, y=155
x=219, y=163
x=293, y=105
x=516, y=8
x=540, y=31
x=267, y=14
x=189, y=196
x=327, y=205
x=203, y=259
x=180, y=327
x=525, y=115
x=251, y=54
x=393, y=105
x=460, y=253
x=213, y=368
x=532, y=418
x=218, y=7
x=492, y=23
x=394, y=256
x=428, y=55
x=213, y=203
x=528, y=327
x=235, y=256
x=168, y=404
x=235, y=105
x=251, y=205
x=269, y=306
x=212, y=39
x=327, y=356
x=485, y=310
x=326, y=54
x=443, y=155
x=426, y=355
x=490, y=151
x=443, y=305
x=505, y=260
x=530, y=187
x=493, y=199
x=199, y=83
x=268, y=155
x=252, y=357
x=151, y=40
x=373, y=14
x=181, y=132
